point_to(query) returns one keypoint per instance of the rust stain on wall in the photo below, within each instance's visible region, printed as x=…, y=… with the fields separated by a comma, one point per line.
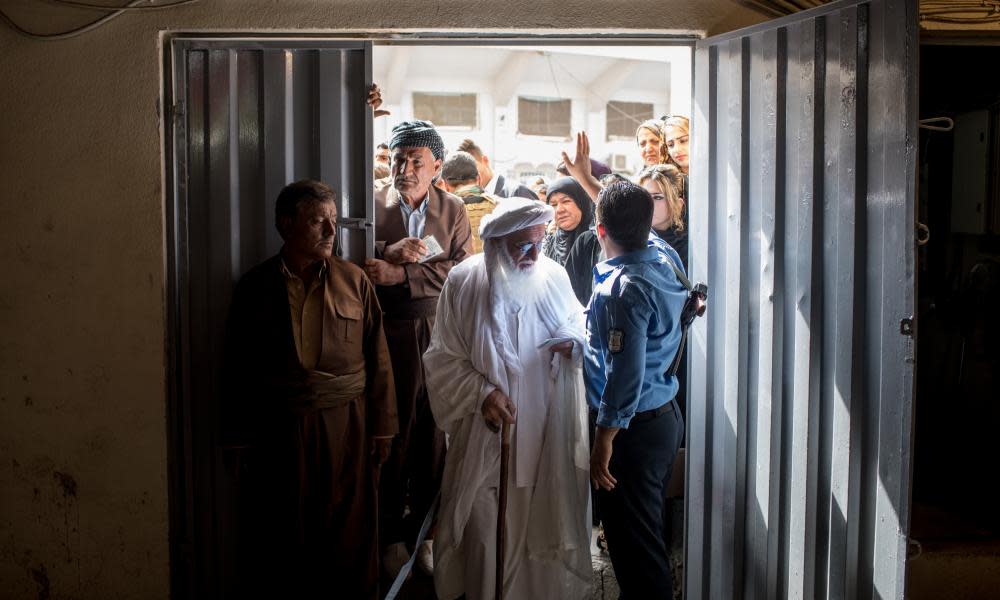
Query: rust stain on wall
x=67, y=483
x=41, y=577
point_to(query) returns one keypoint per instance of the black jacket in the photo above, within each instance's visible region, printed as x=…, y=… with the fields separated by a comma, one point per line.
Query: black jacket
x=585, y=253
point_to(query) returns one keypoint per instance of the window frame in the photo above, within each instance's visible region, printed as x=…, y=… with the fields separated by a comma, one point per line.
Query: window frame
x=618, y=137
x=545, y=136
x=448, y=126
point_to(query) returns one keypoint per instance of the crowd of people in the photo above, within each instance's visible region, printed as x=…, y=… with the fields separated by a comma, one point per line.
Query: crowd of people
x=459, y=401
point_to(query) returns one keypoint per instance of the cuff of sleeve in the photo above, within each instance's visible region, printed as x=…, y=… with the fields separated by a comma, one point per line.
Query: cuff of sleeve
x=414, y=278
x=610, y=418
x=487, y=389
x=379, y=249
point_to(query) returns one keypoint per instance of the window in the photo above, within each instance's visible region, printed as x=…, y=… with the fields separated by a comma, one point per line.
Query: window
x=624, y=118
x=445, y=110
x=544, y=116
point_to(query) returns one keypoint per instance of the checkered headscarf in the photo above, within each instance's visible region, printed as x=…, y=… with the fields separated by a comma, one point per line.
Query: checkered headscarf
x=416, y=134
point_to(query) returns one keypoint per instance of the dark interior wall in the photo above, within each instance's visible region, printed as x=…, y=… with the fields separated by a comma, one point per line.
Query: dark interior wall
x=958, y=403
x=83, y=392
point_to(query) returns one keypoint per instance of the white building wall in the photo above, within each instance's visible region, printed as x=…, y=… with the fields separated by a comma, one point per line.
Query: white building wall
x=512, y=153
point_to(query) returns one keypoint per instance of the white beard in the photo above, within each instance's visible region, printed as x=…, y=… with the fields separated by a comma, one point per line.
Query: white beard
x=518, y=287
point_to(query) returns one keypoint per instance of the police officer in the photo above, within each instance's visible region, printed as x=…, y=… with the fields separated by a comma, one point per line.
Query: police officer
x=634, y=326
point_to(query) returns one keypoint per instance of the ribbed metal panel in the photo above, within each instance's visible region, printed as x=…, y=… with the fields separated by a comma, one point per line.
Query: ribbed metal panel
x=259, y=116
x=249, y=116
x=802, y=221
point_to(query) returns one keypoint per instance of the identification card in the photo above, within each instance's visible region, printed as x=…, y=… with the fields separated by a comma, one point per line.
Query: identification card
x=616, y=340
x=433, y=248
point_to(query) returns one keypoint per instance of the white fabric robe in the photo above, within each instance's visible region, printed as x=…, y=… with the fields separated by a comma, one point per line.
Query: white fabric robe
x=547, y=554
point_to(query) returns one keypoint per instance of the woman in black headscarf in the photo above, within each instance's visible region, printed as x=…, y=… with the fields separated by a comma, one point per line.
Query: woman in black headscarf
x=574, y=215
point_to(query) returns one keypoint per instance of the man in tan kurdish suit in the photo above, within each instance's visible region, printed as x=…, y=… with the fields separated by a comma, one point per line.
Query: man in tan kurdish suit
x=311, y=402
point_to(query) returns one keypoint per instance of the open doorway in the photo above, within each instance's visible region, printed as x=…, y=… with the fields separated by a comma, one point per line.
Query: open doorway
x=521, y=105
x=247, y=115
x=957, y=409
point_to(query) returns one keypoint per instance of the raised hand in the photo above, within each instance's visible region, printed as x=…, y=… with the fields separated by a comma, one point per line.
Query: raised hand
x=579, y=167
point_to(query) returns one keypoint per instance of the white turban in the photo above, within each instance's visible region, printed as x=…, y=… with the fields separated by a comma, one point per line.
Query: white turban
x=514, y=214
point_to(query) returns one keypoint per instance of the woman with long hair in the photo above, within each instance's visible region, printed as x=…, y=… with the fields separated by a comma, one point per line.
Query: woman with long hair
x=676, y=140
x=665, y=183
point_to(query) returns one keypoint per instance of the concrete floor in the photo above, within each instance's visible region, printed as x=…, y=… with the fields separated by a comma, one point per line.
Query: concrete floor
x=421, y=587
x=605, y=586
x=955, y=557
x=605, y=583
x=958, y=571
x=954, y=560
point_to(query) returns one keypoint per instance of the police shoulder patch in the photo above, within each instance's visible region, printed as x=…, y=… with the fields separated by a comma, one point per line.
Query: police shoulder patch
x=616, y=340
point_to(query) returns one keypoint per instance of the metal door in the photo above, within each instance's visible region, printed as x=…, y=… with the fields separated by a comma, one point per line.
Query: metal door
x=245, y=117
x=802, y=222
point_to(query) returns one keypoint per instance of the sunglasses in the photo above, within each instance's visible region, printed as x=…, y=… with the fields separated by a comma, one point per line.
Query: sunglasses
x=525, y=247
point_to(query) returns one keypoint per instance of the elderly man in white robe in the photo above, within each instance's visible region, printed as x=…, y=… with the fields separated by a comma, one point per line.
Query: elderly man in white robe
x=506, y=347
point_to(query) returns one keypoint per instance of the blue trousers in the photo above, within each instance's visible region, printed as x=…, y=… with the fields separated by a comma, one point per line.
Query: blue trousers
x=641, y=460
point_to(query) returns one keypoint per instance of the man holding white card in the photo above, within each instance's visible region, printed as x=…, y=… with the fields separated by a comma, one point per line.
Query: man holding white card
x=421, y=232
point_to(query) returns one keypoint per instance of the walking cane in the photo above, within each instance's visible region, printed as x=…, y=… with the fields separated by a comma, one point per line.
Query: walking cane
x=504, y=460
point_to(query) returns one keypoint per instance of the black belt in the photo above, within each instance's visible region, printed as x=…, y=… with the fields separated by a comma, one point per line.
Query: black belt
x=646, y=415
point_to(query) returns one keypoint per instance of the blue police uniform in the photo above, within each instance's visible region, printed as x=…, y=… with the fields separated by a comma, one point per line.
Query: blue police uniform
x=633, y=323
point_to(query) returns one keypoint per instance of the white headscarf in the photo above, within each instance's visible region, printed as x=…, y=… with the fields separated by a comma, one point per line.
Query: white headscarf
x=514, y=214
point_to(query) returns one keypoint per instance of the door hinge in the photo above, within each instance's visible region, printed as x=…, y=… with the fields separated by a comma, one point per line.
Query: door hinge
x=177, y=111
x=906, y=326
x=354, y=223
x=923, y=234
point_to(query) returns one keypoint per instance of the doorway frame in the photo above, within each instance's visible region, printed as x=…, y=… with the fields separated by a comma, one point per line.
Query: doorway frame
x=184, y=551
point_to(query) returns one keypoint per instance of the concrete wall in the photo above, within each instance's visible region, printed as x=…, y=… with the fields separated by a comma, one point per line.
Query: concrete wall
x=83, y=440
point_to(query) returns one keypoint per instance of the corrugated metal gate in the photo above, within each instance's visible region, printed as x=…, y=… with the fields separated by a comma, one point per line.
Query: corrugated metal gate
x=248, y=116
x=802, y=219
